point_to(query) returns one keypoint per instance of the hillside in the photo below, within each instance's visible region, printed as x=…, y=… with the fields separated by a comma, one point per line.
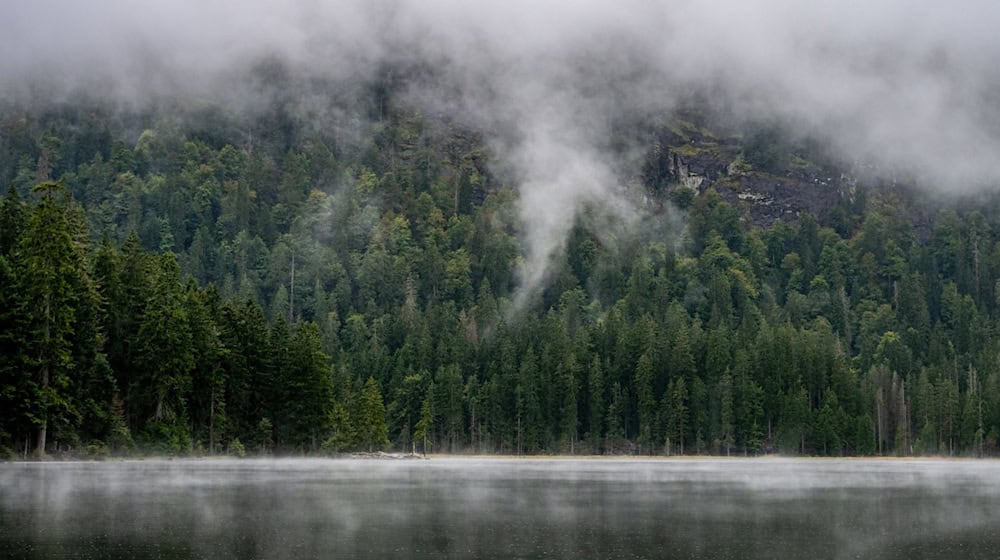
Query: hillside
x=207, y=280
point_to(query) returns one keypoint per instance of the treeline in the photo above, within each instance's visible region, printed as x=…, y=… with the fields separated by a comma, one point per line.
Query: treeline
x=191, y=293
x=110, y=349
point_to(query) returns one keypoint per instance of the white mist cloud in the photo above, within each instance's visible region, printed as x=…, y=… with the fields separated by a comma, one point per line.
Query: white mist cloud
x=909, y=87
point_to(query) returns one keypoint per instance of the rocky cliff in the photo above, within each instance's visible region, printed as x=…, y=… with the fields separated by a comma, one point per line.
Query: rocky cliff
x=768, y=182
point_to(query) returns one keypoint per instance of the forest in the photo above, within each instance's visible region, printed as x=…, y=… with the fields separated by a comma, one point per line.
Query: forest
x=195, y=281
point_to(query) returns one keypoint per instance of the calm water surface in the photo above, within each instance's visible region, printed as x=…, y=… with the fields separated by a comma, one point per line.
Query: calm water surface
x=476, y=508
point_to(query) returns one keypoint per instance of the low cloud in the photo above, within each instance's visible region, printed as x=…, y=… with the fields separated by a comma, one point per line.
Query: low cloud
x=908, y=88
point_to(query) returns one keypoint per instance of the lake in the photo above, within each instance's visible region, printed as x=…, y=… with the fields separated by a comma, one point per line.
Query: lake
x=501, y=508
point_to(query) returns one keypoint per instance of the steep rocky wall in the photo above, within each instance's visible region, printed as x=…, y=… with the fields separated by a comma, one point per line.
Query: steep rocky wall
x=687, y=156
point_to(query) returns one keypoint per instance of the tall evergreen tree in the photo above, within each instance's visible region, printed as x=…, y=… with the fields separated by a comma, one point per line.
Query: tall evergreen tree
x=677, y=425
x=13, y=221
x=595, y=386
x=646, y=401
x=370, y=426
x=50, y=268
x=164, y=352
x=18, y=387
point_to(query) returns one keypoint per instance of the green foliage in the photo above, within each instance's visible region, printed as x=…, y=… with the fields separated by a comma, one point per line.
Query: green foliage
x=96, y=450
x=764, y=150
x=50, y=280
x=164, y=349
x=646, y=400
x=149, y=304
x=426, y=422
x=616, y=421
x=677, y=415
x=171, y=437
x=236, y=448
x=342, y=435
x=369, y=427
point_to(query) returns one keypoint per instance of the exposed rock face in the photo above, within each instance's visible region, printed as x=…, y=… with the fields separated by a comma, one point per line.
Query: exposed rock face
x=769, y=198
x=686, y=156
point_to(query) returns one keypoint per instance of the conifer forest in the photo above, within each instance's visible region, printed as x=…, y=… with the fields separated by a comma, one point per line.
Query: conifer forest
x=200, y=280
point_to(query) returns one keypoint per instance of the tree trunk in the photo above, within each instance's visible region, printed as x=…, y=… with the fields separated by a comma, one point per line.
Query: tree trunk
x=519, y=435
x=472, y=426
x=211, y=423
x=40, y=445
x=43, y=429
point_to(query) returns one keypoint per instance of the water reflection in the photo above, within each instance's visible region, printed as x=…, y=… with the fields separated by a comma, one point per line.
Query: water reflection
x=465, y=508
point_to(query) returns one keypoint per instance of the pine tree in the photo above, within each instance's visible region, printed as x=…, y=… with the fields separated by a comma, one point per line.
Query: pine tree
x=274, y=393
x=18, y=388
x=972, y=415
x=616, y=420
x=308, y=387
x=13, y=221
x=126, y=301
x=244, y=336
x=795, y=419
x=568, y=413
x=726, y=412
x=208, y=397
x=677, y=425
x=426, y=422
x=595, y=386
x=164, y=353
x=528, y=405
x=92, y=385
x=448, y=406
x=646, y=400
x=370, y=424
x=828, y=430
x=50, y=262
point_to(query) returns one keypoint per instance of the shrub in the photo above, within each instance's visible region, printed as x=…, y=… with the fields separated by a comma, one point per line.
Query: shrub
x=236, y=448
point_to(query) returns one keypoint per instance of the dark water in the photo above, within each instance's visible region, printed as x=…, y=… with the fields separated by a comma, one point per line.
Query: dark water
x=457, y=508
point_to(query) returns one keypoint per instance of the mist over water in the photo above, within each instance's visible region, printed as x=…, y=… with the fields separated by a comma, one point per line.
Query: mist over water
x=510, y=508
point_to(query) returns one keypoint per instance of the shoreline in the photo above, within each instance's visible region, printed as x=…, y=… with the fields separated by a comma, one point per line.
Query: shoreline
x=406, y=458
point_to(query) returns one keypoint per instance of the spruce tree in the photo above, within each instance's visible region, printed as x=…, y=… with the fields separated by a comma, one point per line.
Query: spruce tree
x=370, y=425
x=646, y=401
x=164, y=352
x=13, y=221
x=595, y=387
x=426, y=422
x=308, y=389
x=18, y=388
x=677, y=427
x=49, y=260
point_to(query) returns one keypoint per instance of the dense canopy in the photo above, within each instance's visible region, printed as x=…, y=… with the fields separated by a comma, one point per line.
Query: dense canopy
x=209, y=282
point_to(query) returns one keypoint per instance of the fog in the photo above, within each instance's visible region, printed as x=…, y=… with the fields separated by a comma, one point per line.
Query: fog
x=501, y=508
x=905, y=91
